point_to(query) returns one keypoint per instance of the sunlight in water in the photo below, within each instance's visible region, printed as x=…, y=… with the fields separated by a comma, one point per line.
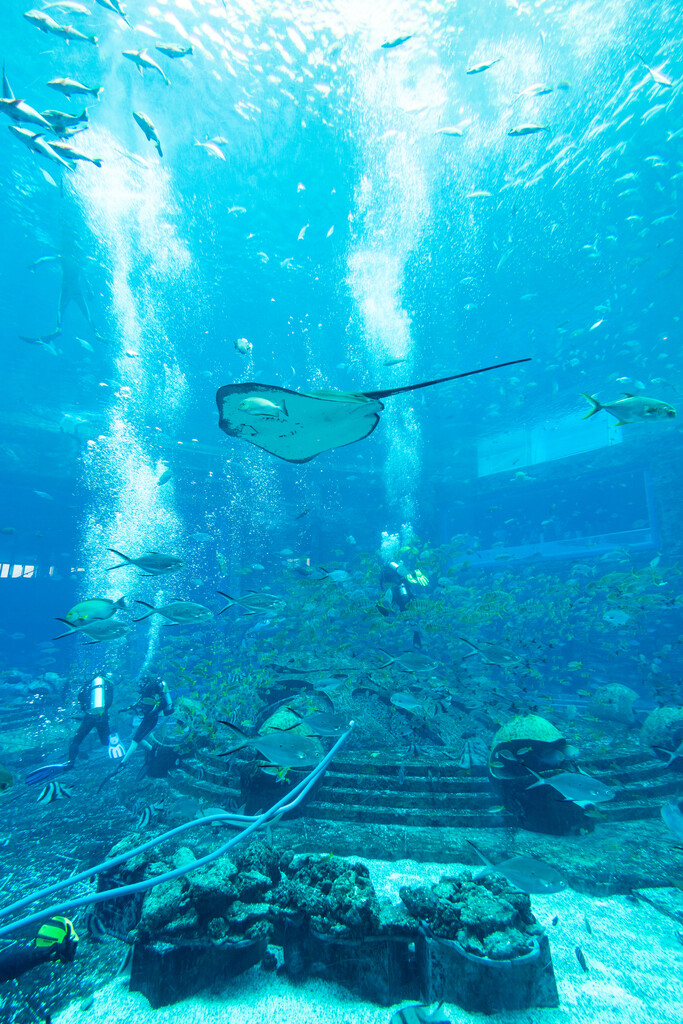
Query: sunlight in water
x=130, y=210
x=393, y=205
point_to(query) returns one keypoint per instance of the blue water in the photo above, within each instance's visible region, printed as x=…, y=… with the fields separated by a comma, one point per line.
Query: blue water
x=356, y=247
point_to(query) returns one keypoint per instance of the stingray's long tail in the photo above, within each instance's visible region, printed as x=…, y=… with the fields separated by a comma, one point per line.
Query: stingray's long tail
x=442, y=380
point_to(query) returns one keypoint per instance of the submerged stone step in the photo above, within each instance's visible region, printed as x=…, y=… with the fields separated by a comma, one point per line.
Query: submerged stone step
x=414, y=817
x=397, y=798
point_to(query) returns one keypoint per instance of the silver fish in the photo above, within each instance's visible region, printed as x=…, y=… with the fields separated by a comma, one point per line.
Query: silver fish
x=182, y=613
x=286, y=749
x=633, y=408
x=148, y=129
x=153, y=563
x=142, y=60
x=525, y=873
x=575, y=787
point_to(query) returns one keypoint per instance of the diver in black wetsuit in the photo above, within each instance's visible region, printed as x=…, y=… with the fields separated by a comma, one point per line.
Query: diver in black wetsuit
x=154, y=699
x=396, y=590
x=95, y=700
x=56, y=940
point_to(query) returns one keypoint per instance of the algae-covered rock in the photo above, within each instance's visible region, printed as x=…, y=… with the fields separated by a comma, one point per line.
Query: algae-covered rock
x=211, y=889
x=488, y=918
x=526, y=741
x=527, y=727
x=613, y=703
x=663, y=728
x=337, y=897
x=163, y=905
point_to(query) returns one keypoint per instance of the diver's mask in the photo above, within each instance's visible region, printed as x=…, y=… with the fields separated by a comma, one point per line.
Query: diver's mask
x=97, y=696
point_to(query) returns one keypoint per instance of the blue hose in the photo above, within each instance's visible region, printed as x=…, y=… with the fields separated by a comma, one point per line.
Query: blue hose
x=285, y=804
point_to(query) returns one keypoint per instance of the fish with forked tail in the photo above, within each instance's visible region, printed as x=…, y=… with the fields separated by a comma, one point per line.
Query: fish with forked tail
x=632, y=409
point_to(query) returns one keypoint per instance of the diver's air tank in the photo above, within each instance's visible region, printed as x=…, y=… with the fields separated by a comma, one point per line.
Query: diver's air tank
x=97, y=696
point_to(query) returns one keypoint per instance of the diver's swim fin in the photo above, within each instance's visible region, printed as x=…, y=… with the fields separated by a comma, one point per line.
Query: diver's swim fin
x=47, y=772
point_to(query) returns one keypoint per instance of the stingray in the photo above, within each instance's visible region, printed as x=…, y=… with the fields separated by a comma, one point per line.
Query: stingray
x=296, y=427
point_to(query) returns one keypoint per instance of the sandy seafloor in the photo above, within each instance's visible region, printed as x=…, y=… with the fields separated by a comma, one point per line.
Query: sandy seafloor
x=635, y=973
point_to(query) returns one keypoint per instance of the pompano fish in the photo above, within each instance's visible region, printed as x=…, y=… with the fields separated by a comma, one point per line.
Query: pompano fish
x=476, y=69
x=252, y=603
x=324, y=723
x=61, y=123
x=67, y=7
x=657, y=74
x=98, y=630
x=575, y=787
x=172, y=50
x=38, y=144
x=284, y=748
x=142, y=60
x=153, y=563
x=182, y=613
x=115, y=7
x=528, y=129
x=492, y=654
x=45, y=23
x=633, y=409
x=41, y=20
x=537, y=89
x=391, y=44
x=336, y=575
x=93, y=608
x=148, y=129
x=525, y=873
x=410, y=661
x=70, y=153
x=68, y=32
x=216, y=151
x=672, y=755
x=22, y=113
x=406, y=701
x=449, y=129
x=70, y=87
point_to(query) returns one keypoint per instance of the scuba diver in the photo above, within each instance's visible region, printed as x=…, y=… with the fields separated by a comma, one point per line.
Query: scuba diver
x=95, y=699
x=396, y=584
x=154, y=698
x=56, y=940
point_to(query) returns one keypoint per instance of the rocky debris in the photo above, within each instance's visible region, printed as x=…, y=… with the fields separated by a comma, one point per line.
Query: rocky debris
x=663, y=728
x=480, y=947
x=613, y=703
x=335, y=897
x=488, y=918
x=196, y=931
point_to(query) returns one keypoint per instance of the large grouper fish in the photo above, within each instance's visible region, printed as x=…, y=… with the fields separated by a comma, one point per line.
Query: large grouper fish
x=296, y=426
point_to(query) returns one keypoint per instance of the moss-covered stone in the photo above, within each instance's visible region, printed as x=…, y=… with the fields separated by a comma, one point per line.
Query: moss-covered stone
x=487, y=917
x=613, y=703
x=527, y=727
x=663, y=728
x=337, y=897
x=162, y=905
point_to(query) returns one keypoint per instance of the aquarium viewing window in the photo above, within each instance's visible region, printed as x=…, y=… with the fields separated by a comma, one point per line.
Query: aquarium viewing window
x=577, y=517
x=546, y=442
